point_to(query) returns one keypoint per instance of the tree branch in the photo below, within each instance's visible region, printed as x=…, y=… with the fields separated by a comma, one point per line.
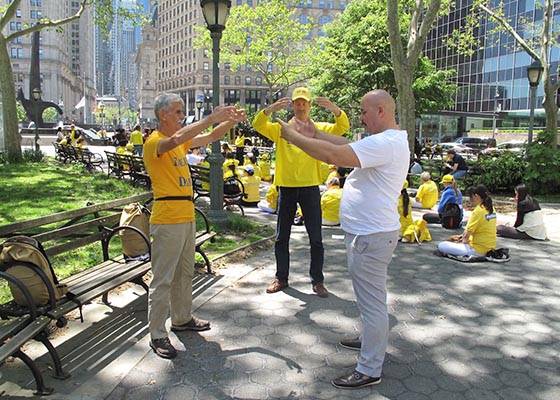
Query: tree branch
x=502, y=21
x=48, y=23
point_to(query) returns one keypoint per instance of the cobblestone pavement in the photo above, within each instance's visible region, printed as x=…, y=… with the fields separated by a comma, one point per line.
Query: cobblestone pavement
x=478, y=331
x=458, y=331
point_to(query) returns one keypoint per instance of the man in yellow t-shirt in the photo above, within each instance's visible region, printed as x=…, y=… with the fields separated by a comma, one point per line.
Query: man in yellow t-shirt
x=173, y=221
x=298, y=177
x=137, y=140
x=427, y=195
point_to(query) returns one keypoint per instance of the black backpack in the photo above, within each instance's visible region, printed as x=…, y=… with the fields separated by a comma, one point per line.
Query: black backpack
x=451, y=216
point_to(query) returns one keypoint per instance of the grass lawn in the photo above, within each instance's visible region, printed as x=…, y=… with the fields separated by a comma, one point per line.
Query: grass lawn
x=34, y=190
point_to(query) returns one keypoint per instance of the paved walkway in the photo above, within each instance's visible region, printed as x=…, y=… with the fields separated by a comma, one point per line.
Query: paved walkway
x=458, y=331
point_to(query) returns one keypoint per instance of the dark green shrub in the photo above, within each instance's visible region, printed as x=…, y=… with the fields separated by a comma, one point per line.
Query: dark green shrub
x=543, y=169
x=33, y=155
x=498, y=174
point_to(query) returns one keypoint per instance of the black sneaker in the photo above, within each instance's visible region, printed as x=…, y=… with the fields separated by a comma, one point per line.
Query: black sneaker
x=163, y=348
x=352, y=344
x=355, y=380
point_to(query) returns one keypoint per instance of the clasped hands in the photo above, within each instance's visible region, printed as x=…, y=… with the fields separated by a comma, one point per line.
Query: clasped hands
x=291, y=130
x=227, y=114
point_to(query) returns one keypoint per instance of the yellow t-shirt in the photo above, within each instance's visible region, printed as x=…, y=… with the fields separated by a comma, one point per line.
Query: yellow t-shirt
x=294, y=168
x=265, y=170
x=251, y=185
x=405, y=221
x=428, y=194
x=482, y=226
x=170, y=176
x=330, y=204
x=136, y=138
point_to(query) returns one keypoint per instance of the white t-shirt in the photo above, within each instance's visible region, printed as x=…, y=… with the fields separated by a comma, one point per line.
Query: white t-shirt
x=370, y=193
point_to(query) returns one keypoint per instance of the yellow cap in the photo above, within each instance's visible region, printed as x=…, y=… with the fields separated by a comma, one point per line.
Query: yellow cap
x=301, y=93
x=264, y=156
x=447, y=179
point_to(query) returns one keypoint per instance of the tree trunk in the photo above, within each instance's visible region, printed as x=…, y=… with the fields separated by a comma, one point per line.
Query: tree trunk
x=551, y=111
x=12, y=141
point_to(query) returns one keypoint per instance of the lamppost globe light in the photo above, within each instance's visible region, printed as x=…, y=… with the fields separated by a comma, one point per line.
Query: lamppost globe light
x=534, y=73
x=215, y=14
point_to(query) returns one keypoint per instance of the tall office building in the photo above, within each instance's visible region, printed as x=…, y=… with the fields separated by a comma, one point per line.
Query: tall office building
x=188, y=72
x=494, y=78
x=65, y=57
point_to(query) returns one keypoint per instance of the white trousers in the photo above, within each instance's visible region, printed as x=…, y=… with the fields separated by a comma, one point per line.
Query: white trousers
x=172, y=274
x=368, y=259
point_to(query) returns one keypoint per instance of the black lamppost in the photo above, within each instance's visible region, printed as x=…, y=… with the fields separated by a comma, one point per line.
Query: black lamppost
x=37, y=99
x=497, y=110
x=199, y=107
x=534, y=73
x=215, y=14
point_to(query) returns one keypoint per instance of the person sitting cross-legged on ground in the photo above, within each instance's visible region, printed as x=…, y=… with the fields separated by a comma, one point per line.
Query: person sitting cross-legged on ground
x=330, y=202
x=405, y=210
x=427, y=195
x=450, y=194
x=251, y=183
x=529, y=223
x=479, y=235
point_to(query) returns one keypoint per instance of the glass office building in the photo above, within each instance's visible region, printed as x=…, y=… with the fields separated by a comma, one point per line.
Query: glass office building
x=493, y=80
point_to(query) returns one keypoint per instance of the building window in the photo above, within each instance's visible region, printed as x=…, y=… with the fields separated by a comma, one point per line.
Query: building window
x=205, y=79
x=238, y=80
x=226, y=80
x=247, y=80
x=206, y=66
x=13, y=52
x=18, y=13
x=324, y=19
x=343, y=5
x=19, y=53
x=12, y=26
x=258, y=81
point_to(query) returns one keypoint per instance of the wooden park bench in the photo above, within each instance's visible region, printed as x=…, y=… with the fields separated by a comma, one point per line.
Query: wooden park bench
x=66, y=153
x=201, y=187
x=62, y=233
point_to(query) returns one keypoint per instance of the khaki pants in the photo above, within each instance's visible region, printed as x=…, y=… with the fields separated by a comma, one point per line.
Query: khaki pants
x=173, y=270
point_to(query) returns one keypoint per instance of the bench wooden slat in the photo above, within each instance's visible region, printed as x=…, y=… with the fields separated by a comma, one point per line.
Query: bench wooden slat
x=11, y=229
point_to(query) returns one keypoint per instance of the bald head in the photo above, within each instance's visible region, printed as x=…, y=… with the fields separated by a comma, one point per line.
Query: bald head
x=378, y=111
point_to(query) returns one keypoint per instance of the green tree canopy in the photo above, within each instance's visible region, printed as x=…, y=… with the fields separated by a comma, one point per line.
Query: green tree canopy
x=268, y=39
x=357, y=58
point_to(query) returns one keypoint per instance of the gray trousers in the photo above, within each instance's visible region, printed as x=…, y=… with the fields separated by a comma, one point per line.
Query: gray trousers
x=368, y=259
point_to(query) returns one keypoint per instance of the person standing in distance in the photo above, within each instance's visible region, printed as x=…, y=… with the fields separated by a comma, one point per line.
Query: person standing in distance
x=298, y=177
x=368, y=216
x=172, y=223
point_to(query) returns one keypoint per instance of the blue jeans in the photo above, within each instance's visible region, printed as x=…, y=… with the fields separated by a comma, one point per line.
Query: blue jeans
x=309, y=198
x=458, y=174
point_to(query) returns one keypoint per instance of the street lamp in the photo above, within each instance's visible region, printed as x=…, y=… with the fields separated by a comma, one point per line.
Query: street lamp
x=534, y=73
x=37, y=97
x=497, y=110
x=199, y=107
x=215, y=14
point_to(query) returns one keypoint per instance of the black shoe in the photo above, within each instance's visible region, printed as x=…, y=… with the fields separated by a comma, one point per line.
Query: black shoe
x=355, y=380
x=352, y=344
x=163, y=348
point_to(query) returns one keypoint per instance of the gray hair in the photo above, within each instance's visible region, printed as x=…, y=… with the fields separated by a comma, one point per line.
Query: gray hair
x=425, y=176
x=164, y=101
